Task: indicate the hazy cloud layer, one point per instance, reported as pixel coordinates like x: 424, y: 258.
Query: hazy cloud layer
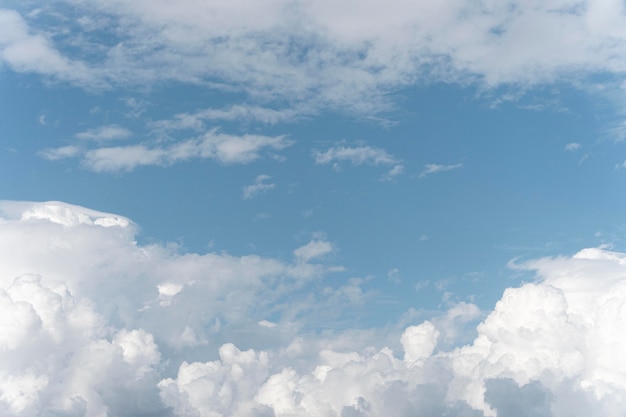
x: 97, y: 325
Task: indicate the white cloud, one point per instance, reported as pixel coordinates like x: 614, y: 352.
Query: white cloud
x: 62, y: 152
x: 435, y: 168
x: 345, y: 55
x: 24, y: 51
x: 241, y: 113
x: 572, y: 147
x: 224, y: 148
x: 313, y: 249
x: 355, y: 155
x: 82, y: 337
x: 259, y: 187
x: 360, y: 155
x: 104, y: 133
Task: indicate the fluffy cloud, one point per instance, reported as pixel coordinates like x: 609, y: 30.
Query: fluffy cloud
x: 24, y: 51
x: 96, y: 325
x: 344, y: 55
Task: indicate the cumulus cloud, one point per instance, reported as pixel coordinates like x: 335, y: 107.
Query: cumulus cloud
x: 259, y: 187
x: 95, y: 324
x: 435, y: 168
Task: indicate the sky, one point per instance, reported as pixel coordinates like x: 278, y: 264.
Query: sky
x: 310, y: 208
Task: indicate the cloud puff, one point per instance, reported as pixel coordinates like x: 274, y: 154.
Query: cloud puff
x: 95, y: 324
x: 259, y: 187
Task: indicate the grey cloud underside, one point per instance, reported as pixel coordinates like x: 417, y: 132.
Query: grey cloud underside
x: 96, y: 325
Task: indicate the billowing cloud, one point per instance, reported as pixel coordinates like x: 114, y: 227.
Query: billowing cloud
x: 259, y: 187
x: 95, y: 324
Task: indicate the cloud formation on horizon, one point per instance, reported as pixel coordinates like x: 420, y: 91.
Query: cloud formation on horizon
x: 97, y: 325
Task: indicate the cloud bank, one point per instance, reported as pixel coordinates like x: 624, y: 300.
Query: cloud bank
x: 341, y: 55
x: 95, y: 324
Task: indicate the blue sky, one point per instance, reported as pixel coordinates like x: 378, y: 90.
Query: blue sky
x: 375, y: 166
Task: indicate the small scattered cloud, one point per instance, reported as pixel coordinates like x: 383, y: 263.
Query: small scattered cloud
x: 62, y: 152
x: 360, y: 155
x: 224, y: 148
x: 436, y: 168
x: 104, y: 133
x: 260, y: 186
x: 572, y: 147
x: 393, y: 275
x: 313, y: 249
x: 239, y: 112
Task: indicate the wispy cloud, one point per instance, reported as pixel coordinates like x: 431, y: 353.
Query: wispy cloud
x: 360, y: 155
x: 224, y: 148
x: 330, y: 61
x: 104, y: 133
x: 313, y: 249
x: 572, y: 147
x: 62, y: 152
x: 260, y: 186
x: 243, y: 113
x: 435, y: 168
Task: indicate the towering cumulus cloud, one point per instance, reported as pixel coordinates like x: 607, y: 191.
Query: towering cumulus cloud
x: 95, y: 324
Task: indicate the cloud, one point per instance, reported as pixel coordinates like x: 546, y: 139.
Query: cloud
x: 435, y: 168
x: 104, y: 133
x: 356, y: 155
x: 360, y: 155
x: 259, y: 187
x: 572, y: 147
x: 97, y: 324
x: 24, y: 51
x: 344, y: 57
x: 313, y: 249
x: 224, y: 148
x: 62, y: 152
x: 241, y: 113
